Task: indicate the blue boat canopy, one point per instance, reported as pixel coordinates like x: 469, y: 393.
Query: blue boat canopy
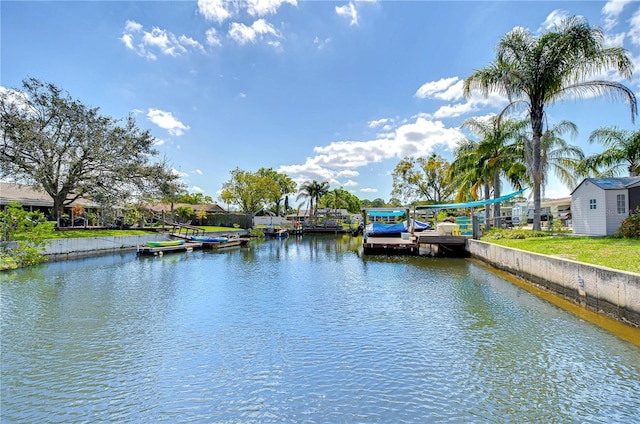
x: 386, y: 213
x: 471, y: 204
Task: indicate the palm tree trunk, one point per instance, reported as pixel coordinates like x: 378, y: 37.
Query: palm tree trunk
x: 536, y: 126
x: 487, y: 210
x: 496, y: 194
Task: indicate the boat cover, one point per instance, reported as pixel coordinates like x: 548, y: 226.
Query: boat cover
x: 401, y: 227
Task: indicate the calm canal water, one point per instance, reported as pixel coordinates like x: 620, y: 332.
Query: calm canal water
x: 300, y: 331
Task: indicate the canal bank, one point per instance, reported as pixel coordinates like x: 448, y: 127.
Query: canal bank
x: 82, y: 247
x: 607, y: 291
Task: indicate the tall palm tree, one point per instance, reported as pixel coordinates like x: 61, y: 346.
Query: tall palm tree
x: 556, y: 154
x: 313, y: 190
x: 537, y: 71
x: 622, y: 150
x: 465, y: 174
x: 496, y: 154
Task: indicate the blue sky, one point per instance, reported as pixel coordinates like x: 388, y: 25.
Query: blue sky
x: 336, y: 91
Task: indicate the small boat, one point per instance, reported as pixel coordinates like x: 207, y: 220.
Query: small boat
x: 165, y: 243
x: 207, y: 239
x: 272, y: 233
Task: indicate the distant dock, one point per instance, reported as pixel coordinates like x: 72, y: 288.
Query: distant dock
x: 161, y: 250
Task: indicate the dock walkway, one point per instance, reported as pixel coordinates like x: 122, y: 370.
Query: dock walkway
x: 159, y: 251
x: 390, y: 246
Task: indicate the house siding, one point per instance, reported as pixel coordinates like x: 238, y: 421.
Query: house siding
x: 614, y: 219
x: 586, y: 220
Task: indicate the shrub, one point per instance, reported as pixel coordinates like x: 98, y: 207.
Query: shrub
x: 630, y: 227
x: 257, y: 232
x: 502, y: 233
x: 29, y: 230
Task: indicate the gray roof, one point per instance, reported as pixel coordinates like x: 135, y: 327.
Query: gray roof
x: 28, y: 196
x: 614, y: 183
x: 618, y: 183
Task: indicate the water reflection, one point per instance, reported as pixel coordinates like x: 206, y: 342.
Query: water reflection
x: 300, y: 330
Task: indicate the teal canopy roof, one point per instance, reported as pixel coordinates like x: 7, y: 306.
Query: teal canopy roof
x: 386, y: 213
x: 471, y: 204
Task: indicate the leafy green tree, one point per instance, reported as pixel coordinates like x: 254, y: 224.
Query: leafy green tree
x: 376, y: 203
x: 70, y: 150
x: 201, y: 215
x: 537, y: 71
x: 184, y: 212
x: 193, y: 198
x: 422, y: 179
x: 170, y: 191
x: 28, y: 230
x: 394, y: 202
x: 340, y: 198
x: 622, y: 151
x: 313, y: 190
x: 284, y: 186
x: 249, y: 190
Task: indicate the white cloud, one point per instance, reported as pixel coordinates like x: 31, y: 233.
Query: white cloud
x: 196, y: 189
x: 216, y: 10
x: 419, y: 137
x: 611, y: 11
x: 350, y: 183
x: 553, y: 19
x: 212, y: 37
x: 17, y: 99
x: 347, y: 173
x: 321, y: 44
x: 179, y: 173
x: 144, y: 43
x: 348, y: 11
x: 441, y: 89
x: 132, y: 26
x: 165, y: 120
x: 473, y: 104
x: 634, y: 29
x: 127, y: 39
x: 198, y: 171
x: 378, y: 122
x: 369, y: 190
x: 266, y: 7
x: 260, y: 29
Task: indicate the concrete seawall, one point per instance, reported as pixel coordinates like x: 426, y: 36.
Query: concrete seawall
x: 604, y: 290
x: 74, y: 248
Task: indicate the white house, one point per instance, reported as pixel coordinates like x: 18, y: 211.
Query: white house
x: 599, y: 205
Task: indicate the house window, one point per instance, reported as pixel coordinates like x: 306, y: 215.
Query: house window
x: 592, y: 204
x: 621, y: 202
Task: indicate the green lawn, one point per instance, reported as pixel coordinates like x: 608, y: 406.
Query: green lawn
x: 622, y: 254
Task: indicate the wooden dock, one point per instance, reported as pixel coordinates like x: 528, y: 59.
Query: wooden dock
x: 434, y: 244
x: 427, y: 243
x: 160, y: 251
x: 390, y: 246
x: 224, y: 244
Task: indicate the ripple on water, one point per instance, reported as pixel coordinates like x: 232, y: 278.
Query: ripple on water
x: 300, y: 331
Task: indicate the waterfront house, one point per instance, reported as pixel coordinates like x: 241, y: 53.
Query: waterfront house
x: 599, y: 205
x: 33, y: 199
